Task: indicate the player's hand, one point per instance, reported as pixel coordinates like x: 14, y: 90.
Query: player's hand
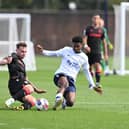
x: 40, y: 48
x: 87, y: 48
x: 39, y: 91
x: 7, y: 60
x: 110, y: 46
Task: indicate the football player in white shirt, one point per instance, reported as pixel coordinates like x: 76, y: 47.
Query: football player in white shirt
x: 65, y: 77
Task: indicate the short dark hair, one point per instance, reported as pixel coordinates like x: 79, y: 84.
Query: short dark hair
x: 21, y: 44
x: 98, y: 13
x: 77, y: 39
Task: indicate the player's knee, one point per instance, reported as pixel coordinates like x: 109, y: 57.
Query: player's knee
x: 99, y: 70
x: 63, y: 82
x: 28, y: 89
x: 69, y: 103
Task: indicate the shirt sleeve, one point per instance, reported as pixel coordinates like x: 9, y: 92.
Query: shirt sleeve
x: 87, y: 73
x: 59, y: 52
x: 86, y: 31
x: 103, y: 34
x: 89, y: 78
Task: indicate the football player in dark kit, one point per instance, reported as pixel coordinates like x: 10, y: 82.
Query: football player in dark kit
x: 19, y: 87
x: 93, y: 35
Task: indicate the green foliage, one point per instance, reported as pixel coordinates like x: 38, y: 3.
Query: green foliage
x: 57, y: 4
x: 16, y: 4
x: 114, y: 2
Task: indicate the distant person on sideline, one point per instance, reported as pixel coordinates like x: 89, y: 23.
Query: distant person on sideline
x: 105, y: 63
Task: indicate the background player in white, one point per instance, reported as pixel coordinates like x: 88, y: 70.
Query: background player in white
x: 72, y: 60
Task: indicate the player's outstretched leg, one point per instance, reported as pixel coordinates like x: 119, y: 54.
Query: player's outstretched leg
x: 10, y: 101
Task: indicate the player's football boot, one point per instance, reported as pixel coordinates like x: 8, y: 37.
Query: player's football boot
x: 18, y: 108
x: 58, y: 101
x: 9, y: 102
x: 98, y: 90
x: 98, y: 85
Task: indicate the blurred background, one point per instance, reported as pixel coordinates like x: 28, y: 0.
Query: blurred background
x: 54, y: 22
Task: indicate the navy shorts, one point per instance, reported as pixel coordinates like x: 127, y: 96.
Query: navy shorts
x: 94, y: 58
x: 71, y: 87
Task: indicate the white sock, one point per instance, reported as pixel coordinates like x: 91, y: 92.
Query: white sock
x: 59, y: 96
x: 10, y: 101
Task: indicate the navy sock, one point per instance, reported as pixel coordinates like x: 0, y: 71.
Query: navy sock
x: 97, y: 76
x: 26, y: 105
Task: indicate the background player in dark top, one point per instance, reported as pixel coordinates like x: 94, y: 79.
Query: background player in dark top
x: 104, y: 63
x: 19, y: 87
x: 93, y: 36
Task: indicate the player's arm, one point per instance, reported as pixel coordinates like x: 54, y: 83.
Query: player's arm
x: 90, y: 79
x: 105, y: 49
x: 110, y: 45
x: 85, y: 38
x: 59, y: 52
x: 107, y: 39
x: 36, y: 89
x: 6, y: 60
x: 46, y: 52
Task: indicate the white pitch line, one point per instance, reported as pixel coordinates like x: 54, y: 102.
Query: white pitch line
x: 27, y: 128
x: 3, y: 124
x: 102, y: 103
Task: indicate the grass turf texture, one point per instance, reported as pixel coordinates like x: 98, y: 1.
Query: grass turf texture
x: 91, y: 111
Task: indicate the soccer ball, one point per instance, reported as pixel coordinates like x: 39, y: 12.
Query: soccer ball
x: 42, y: 104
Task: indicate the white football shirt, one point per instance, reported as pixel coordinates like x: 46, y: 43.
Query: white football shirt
x: 71, y: 63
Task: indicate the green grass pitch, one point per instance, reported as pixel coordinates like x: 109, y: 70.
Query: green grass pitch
x: 91, y: 111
